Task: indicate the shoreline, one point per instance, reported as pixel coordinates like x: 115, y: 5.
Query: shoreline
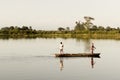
x: 67, y: 35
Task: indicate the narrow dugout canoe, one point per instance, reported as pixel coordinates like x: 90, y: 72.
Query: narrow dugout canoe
x: 78, y: 55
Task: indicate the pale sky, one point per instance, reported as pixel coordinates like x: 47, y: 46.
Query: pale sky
x: 51, y: 14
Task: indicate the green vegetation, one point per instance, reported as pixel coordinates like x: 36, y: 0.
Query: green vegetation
x: 81, y: 30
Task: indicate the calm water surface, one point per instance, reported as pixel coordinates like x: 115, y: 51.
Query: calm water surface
x: 33, y: 59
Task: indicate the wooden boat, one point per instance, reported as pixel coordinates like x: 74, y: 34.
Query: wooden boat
x: 78, y: 55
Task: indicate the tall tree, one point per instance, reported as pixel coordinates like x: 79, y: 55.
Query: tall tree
x: 79, y: 26
x: 88, y: 24
x: 61, y: 29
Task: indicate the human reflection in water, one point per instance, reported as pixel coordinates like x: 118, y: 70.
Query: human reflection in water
x: 61, y: 64
x: 92, y: 62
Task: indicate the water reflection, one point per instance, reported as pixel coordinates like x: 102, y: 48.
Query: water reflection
x: 61, y: 62
x: 87, y: 45
x: 92, y: 62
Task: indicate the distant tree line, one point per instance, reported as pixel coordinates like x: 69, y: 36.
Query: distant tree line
x: 80, y: 27
x: 17, y: 30
x: 88, y: 26
x: 81, y: 30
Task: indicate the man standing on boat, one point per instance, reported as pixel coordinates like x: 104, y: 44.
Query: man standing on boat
x: 92, y: 48
x: 61, y: 47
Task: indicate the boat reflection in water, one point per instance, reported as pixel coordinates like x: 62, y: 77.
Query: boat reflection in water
x: 92, y: 62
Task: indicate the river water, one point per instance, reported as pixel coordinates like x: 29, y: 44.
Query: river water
x: 33, y: 59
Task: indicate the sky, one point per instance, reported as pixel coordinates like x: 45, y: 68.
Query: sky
x: 51, y: 14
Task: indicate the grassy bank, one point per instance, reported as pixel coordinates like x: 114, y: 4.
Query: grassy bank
x: 65, y: 35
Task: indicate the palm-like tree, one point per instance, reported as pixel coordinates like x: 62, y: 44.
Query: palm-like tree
x: 88, y: 22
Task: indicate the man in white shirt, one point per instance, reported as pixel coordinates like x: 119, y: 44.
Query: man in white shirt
x: 61, y: 47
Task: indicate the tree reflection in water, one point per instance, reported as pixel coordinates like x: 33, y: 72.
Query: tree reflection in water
x: 87, y: 43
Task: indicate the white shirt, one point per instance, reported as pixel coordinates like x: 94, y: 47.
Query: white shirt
x: 61, y: 46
